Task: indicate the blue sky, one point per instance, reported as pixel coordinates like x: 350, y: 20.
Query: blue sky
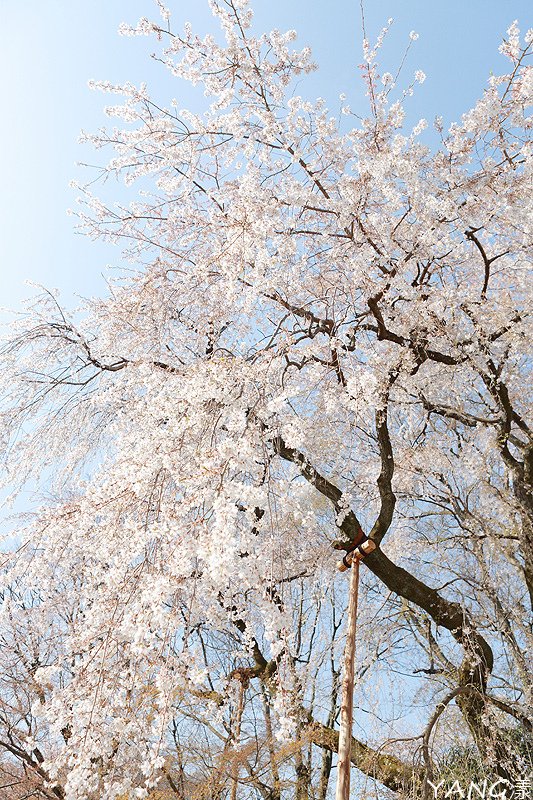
x: 50, y: 48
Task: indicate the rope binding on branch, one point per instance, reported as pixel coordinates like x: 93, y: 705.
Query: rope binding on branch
x: 359, y: 547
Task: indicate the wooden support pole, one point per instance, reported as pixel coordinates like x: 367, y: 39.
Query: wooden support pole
x: 348, y: 676
x: 235, y: 738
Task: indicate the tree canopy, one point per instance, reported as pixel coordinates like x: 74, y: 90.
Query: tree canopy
x: 324, y: 328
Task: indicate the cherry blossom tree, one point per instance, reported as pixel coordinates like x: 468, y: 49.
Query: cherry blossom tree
x: 323, y: 329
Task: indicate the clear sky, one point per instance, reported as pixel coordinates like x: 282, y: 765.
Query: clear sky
x: 50, y: 48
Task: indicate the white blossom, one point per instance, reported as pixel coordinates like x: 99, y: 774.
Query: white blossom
x: 319, y: 327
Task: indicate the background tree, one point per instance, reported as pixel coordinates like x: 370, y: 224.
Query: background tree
x: 324, y: 328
